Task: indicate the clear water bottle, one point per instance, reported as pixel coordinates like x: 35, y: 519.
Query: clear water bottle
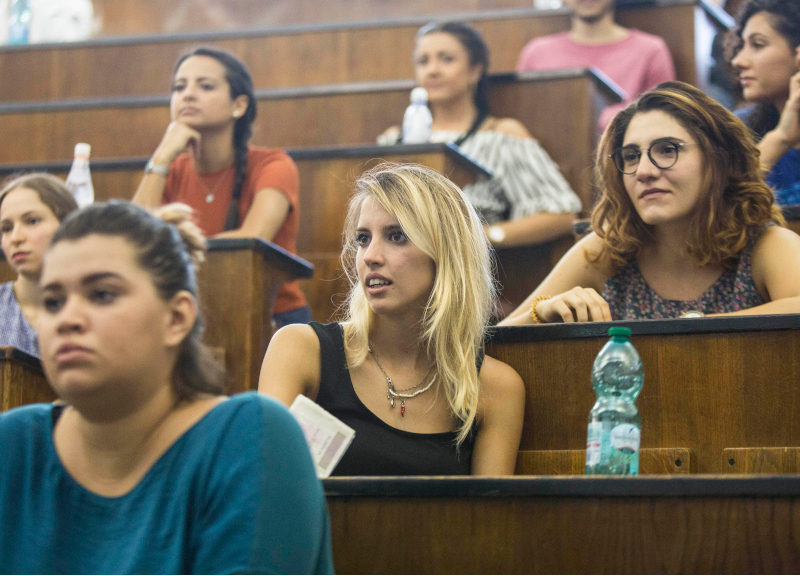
x: 79, y: 179
x: 417, y: 120
x: 615, y: 425
x: 19, y: 21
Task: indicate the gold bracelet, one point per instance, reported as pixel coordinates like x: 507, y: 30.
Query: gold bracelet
x: 533, y: 307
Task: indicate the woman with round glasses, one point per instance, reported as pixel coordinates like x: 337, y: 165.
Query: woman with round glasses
x: 685, y: 225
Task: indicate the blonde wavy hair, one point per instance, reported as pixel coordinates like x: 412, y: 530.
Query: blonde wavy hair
x: 439, y: 220
x: 735, y: 201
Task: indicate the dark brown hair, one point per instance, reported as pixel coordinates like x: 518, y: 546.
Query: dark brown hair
x: 51, y: 190
x: 735, y: 201
x: 169, y: 246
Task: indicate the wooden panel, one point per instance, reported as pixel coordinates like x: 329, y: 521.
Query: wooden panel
x: 325, y: 187
x: 520, y: 270
x: 573, y: 462
x: 705, y: 392
x: 550, y: 534
x: 296, y: 58
x: 761, y: 460
x: 240, y: 325
x: 564, y: 121
x: 126, y: 17
x: 21, y: 380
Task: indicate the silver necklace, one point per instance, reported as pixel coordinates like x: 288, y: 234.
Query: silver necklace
x: 211, y: 193
x: 392, y: 392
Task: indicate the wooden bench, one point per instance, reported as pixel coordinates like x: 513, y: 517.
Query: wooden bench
x: 711, y: 384
x: 559, y: 107
x: 559, y: 525
x: 327, y: 53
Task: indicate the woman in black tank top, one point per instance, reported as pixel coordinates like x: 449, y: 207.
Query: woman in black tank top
x: 406, y: 368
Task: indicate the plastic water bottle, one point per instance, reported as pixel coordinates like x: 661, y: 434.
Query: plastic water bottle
x: 615, y: 425
x: 417, y: 120
x: 79, y: 179
x: 19, y: 21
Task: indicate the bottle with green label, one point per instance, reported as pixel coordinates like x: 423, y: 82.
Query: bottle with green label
x: 612, y: 445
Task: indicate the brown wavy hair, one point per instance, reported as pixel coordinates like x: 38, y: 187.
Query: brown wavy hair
x: 735, y: 203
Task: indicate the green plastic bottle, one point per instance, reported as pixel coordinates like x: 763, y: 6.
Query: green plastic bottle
x: 612, y: 445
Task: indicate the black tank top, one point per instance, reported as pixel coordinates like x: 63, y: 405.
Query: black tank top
x: 379, y: 449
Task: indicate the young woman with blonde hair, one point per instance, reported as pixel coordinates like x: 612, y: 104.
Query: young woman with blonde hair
x: 685, y: 224
x: 406, y: 368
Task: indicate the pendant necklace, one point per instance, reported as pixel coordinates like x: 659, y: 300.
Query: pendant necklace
x: 211, y: 193
x: 403, y: 393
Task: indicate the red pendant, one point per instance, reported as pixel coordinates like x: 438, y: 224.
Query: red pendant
x: 403, y: 408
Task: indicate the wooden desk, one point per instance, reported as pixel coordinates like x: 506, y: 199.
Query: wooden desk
x: 327, y: 176
x: 710, y: 383
x: 327, y: 53
x: 21, y: 380
x: 558, y: 525
x: 238, y: 283
x: 564, y: 119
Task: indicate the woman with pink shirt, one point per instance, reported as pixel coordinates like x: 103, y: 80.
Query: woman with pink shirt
x: 635, y: 61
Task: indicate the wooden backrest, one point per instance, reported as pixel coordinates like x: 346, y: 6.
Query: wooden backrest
x: 325, y: 54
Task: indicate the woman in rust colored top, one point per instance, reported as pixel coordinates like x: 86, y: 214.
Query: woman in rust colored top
x: 204, y: 160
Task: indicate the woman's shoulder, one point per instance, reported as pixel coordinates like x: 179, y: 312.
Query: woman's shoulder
x: 244, y: 417
x: 22, y: 430
x: 775, y: 240
x: 506, y: 126
x: 260, y: 156
x: 501, y: 381
x: 7, y: 294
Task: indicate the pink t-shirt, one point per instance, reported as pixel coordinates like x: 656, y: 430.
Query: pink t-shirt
x: 636, y: 63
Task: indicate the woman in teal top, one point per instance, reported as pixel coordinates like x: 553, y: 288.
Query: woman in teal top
x: 146, y: 468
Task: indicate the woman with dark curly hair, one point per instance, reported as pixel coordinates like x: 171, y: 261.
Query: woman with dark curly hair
x: 766, y: 60
x: 685, y: 224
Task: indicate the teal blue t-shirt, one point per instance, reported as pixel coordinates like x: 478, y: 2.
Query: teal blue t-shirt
x: 237, y: 493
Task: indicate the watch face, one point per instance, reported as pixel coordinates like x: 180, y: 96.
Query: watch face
x: 496, y: 234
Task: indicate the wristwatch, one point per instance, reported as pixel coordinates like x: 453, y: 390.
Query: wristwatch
x: 157, y: 168
x: 496, y: 234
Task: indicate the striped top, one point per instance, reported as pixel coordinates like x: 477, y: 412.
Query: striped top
x: 14, y: 328
x: 525, y: 179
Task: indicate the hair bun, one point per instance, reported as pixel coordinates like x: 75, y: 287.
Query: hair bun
x: 182, y: 217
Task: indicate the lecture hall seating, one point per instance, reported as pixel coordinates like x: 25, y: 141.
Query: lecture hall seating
x: 326, y: 54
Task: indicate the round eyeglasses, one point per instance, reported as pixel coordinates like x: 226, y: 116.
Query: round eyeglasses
x: 663, y: 155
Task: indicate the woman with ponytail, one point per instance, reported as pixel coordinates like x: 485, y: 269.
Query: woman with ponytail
x: 205, y: 161
x: 406, y: 368
x: 144, y: 467
x: 527, y: 201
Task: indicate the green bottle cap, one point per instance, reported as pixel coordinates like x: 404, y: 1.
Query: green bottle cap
x: 620, y: 331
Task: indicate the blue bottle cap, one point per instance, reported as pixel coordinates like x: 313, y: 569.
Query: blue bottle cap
x: 620, y: 331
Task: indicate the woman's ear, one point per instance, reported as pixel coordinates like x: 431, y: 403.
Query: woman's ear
x: 239, y: 106
x: 475, y: 73
x: 181, y: 316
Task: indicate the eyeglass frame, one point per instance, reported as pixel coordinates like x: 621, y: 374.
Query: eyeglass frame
x: 677, y: 145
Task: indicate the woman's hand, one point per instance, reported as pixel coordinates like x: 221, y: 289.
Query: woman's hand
x: 576, y: 305
x: 788, y: 127
x: 177, y: 139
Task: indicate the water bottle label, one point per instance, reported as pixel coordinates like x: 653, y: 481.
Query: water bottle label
x: 594, y: 441
x: 625, y: 437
